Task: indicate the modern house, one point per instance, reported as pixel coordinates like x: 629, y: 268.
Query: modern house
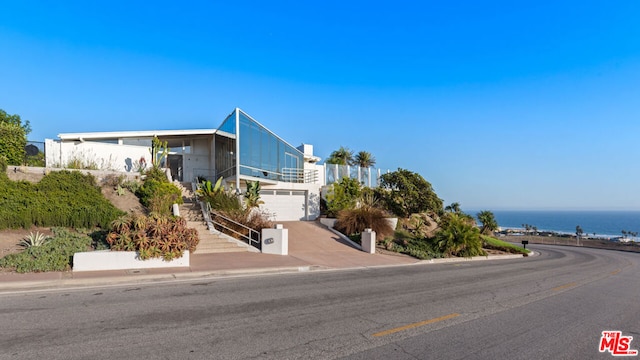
x: 239, y: 150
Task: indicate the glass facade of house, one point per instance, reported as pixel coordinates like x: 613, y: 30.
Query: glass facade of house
x: 262, y: 154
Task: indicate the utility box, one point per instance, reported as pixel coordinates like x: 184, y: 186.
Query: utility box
x: 275, y: 241
x: 368, y: 241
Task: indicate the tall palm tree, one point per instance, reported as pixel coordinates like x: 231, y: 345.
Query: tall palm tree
x: 342, y: 156
x: 364, y: 159
x: 488, y: 220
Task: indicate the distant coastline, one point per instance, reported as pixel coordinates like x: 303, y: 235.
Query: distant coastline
x: 596, y: 224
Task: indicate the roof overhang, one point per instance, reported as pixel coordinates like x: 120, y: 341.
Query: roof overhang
x: 134, y: 134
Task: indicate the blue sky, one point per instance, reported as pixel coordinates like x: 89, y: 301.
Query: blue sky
x: 499, y: 104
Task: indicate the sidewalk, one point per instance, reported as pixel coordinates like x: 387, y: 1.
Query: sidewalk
x: 310, y: 248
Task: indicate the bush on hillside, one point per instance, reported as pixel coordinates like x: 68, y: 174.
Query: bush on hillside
x: 343, y: 195
x: 458, y: 237
x: 12, y: 142
x: 159, y: 194
x: 407, y: 193
x: 3, y: 165
x: 61, y: 198
x: 55, y: 255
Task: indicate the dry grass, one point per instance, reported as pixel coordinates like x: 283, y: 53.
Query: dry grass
x: 355, y: 221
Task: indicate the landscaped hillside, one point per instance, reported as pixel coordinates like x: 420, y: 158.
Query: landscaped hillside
x: 61, y: 198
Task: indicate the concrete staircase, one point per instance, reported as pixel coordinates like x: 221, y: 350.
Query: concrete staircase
x: 209, y: 242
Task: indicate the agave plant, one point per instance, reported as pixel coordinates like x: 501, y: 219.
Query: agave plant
x: 36, y: 239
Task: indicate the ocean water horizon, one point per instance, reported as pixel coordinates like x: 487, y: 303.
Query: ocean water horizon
x: 601, y: 223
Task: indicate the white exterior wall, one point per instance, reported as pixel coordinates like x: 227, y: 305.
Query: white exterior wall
x: 106, y: 156
x: 198, y: 159
x: 320, y: 171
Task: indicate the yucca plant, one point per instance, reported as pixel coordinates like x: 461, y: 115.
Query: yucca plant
x: 207, y: 189
x: 252, y: 195
x: 33, y: 240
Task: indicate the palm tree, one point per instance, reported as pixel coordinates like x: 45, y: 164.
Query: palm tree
x: 488, y: 220
x: 458, y: 238
x: 364, y: 159
x: 454, y: 207
x: 342, y: 156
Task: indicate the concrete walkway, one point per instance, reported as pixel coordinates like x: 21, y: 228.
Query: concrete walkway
x: 311, y: 247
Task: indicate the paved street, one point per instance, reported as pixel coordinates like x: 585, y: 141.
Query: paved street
x: 550, y: 306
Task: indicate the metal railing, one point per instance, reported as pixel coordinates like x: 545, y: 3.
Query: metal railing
x: 233, y: 228
x: 292, y: 175
x: 296, y: 175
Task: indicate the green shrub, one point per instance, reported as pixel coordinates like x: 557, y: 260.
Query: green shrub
x: 165, y: 237
x: 3, y: 164
x: 163, y: 192
x: 13, y: 139
x: 225, y: 201
x: 35, y: 160
x: 457, y: 237
x: 61, y: 198
x: 132, y: 185
x: 55, y: 255
x: 157, y: 174
x: 343, y: 195
x: 407, y: 193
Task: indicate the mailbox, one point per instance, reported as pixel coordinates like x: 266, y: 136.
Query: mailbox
x: 524, y: 243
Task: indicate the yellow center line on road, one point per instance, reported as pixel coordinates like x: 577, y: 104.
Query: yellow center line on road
x: 414, y: 325
x: 615, y: 272
x: 564, y: 286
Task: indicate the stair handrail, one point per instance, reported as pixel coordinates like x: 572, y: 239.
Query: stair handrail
x: 252, y: 239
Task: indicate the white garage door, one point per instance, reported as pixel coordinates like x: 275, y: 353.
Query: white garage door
x: 284, y: 205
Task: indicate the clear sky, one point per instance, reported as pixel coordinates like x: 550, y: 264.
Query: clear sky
x: 499, y: 104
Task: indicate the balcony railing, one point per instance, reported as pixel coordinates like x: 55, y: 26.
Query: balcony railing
x: 369, y: 177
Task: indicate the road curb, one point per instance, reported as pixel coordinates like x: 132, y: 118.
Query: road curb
x: 136, y: 278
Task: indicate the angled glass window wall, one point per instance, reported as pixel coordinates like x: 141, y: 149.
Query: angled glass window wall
x: 262, y: 154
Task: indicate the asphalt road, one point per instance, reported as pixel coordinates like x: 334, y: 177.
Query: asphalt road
x: 552, y: 306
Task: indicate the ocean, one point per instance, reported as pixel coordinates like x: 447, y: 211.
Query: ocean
x: 602, y: 223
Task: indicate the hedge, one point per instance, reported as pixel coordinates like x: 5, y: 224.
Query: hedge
x: 62, y: 198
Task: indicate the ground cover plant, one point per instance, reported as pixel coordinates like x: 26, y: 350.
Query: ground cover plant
x: 61, y: 198
x: 409, y: 243
x: 56, y: 254
x: 497, y: 244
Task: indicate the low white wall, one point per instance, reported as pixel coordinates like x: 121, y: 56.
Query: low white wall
x: 275, y: 241
x: 122, y: 260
